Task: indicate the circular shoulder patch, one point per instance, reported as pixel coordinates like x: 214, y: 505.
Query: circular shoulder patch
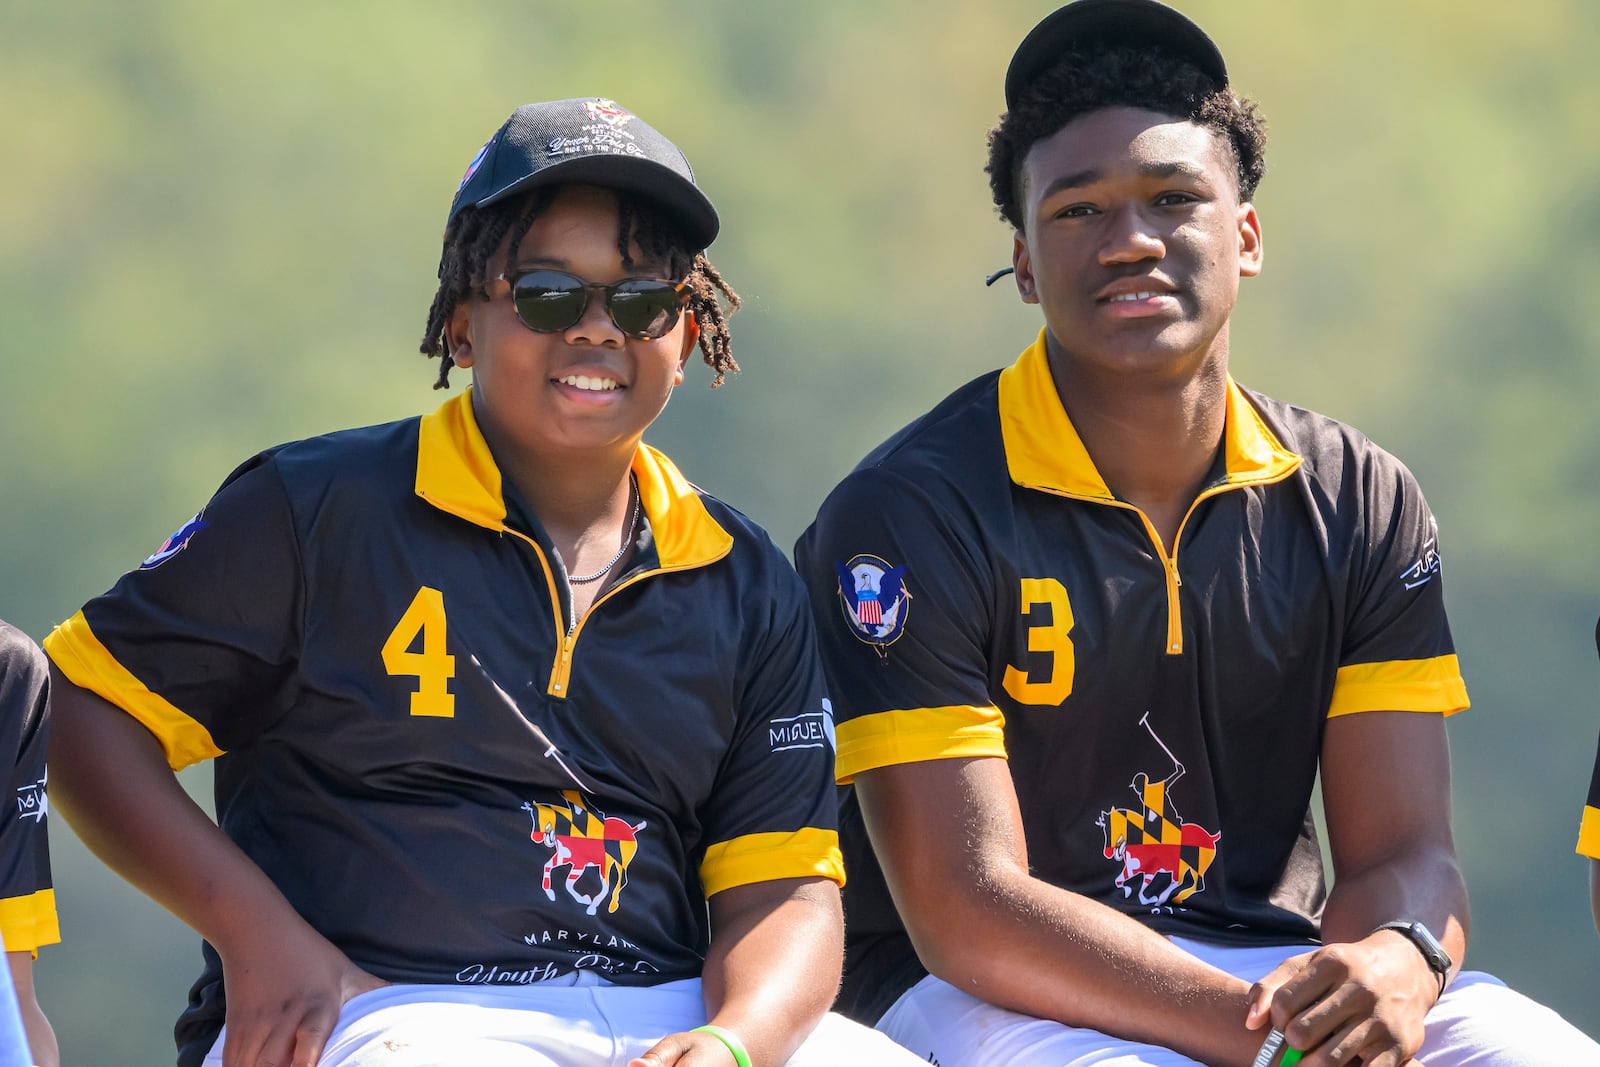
x: 174, y: 544
x: 874, y: 598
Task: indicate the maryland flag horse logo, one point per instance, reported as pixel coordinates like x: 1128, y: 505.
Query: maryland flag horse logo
x: 582, y: 839
x: 1155, y: 841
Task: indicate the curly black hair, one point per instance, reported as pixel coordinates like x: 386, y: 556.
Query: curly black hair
x: 475, y: 234
x: 1149, y: 77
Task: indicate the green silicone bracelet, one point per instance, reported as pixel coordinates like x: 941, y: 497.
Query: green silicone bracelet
x: 728, y: 1038
x: 1274, y: 1044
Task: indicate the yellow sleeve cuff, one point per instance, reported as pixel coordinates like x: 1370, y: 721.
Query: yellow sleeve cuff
x: 89, y: 665
x: 30, y: 921
x: 891, y: 737
x: 1431, y: 685
x: 1589, y: 834
x: 804, y: 853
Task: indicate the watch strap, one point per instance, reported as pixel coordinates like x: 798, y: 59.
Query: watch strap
x: 1433, y: 954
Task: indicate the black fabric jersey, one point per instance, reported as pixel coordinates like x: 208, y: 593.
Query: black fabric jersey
x: 27, y: 898
x: 1589, y: 828
x: 447, y: 776
x: 981, y: 592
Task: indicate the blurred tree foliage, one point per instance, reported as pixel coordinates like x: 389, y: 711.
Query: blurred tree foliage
x: 220, y: 226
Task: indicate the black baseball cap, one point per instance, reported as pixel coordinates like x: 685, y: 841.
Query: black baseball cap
x: 593, y: 141
x: 1087, y: 23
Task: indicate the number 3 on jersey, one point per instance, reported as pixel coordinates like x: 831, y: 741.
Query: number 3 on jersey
x: 433, y: 666
x: 1049, y: 637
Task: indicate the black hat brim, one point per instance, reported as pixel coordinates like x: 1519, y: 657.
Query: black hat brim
x: 681, y: 200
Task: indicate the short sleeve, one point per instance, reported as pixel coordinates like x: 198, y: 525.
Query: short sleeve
x: 1398, y: 654
x: 773, y: 811
x: 27, y: 897
x: 1589, y: 828
x: 902, y: 600
x: 199, y: 642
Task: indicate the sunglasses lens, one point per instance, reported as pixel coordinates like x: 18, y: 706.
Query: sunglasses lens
x: 646, y: 309
x: 549, y: 301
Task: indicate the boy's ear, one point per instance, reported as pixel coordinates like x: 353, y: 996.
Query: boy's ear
x: 1022, y: 268
x: 1250, y: 250
x: 458, y: 334
x: 691, y: 337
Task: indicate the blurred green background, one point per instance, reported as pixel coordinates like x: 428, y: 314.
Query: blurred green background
x: 219, y: 227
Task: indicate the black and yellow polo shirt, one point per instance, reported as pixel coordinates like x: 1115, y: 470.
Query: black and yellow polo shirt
x: 1589, y: 828
x: 446, y: 775
x: 27, y: 897
x: 980, y: 592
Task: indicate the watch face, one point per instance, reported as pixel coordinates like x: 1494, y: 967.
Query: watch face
x: 1438, y: 959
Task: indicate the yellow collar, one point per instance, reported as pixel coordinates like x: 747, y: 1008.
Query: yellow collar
x: 1044, y: 451
x: 456, y: 473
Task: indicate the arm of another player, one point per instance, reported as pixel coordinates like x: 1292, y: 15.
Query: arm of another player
x: 1594, y: 801
x: 41, y: 1038
x: 1594, y: 892
x: 949, y: 836
x: 285, y: 982
x: 772, y: 970
x: 1386, y: 794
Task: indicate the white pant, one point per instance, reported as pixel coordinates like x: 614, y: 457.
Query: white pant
x: 593, y: 1024
x: 1478, y: 1022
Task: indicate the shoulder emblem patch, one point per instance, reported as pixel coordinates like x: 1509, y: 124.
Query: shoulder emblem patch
x: 874, y: 598
x: 174, y: 544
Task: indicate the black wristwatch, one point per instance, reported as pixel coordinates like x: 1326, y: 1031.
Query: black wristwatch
x: 1433, y: 953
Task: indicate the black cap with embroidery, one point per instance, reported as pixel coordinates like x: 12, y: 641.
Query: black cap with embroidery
x: 593, y: 141
x: 1087, y: 23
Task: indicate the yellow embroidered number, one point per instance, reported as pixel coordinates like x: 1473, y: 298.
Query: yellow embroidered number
x: 1049, y: 637
x: 433, y: 666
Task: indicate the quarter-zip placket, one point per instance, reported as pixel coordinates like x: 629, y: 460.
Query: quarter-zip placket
x: 1169, y: 563
x: 567, y: 633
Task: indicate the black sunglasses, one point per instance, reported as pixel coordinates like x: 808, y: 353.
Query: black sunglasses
x: 549, y: 301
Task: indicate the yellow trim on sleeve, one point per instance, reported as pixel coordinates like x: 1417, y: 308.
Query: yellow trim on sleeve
x: 29, y: 921
x: 1432, y: 685
x: 891, y: 737
x: 808, y: 852
x: 1589, y: 833
x: 88, y: 665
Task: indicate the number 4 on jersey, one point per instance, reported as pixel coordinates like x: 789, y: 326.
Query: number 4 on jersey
x: 433, y: 666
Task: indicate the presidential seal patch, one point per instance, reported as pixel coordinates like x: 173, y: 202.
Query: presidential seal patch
x: 174, y: 544
x: 875, y: 600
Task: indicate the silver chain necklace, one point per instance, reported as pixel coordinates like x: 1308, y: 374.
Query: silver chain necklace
x: 627, y: 539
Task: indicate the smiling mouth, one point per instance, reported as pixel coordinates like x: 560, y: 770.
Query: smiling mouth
x: 1123, y: 298
x: 590, y: 385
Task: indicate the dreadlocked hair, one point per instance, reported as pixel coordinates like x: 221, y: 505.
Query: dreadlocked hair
x: 473, y: 236
x: 1152, y: 78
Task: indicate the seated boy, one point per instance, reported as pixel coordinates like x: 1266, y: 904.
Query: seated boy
x: 522, y: 753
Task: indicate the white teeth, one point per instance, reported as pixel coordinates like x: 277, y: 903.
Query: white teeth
x: 593, y: 385
x: 1133, y: 296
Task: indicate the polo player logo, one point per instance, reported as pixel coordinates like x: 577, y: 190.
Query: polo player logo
x: 1155, y: 841
x: 582, y: 839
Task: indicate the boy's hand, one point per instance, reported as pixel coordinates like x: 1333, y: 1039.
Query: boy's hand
x: 1364, y: 999
x: 284, y: 997
x: 692, y: 1049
